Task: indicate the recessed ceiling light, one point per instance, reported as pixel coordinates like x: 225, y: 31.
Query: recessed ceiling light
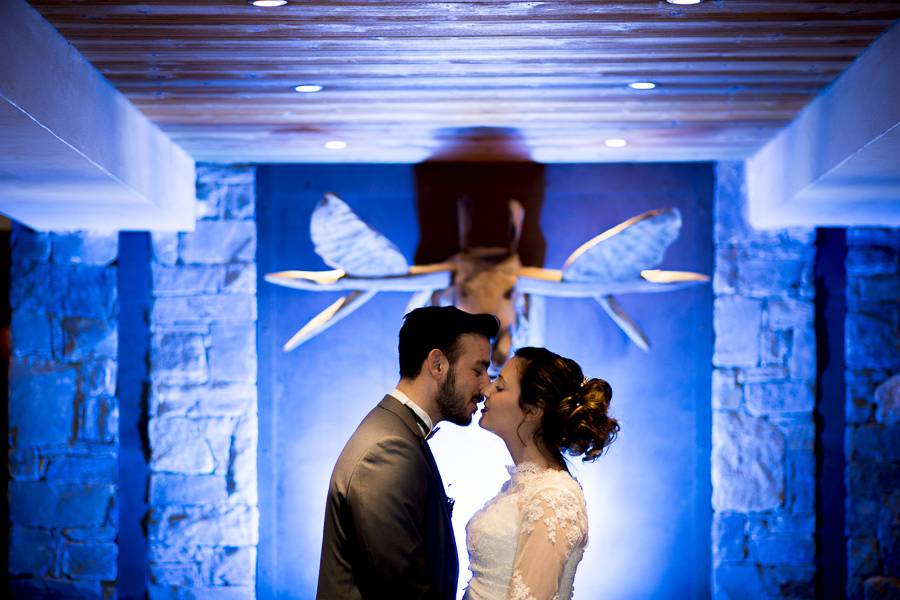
x: 267, y: 3
x: 615, y: 143
x: 335, y: 144
x: 308, y: 88
x: 684, y: 2
x: 642, y: 85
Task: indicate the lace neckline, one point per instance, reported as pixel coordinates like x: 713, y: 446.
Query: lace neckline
x: 529, y: 468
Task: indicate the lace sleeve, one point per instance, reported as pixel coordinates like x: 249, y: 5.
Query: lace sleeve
x: 553, y: 523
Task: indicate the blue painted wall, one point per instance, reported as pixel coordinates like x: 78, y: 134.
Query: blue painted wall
x: 648, y: 498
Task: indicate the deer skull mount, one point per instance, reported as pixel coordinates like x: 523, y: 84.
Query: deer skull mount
x: 619, y: 260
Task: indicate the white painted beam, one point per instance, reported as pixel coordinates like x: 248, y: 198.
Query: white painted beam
x: 74, y: 152
x: 838, y: 162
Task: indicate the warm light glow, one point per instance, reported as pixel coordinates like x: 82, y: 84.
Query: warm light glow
x: 684, y: 2
x: 268, y: 3
x: 615, y: 143
x: 308, y: 88
x: 335, y: 145
x: 642, y: 85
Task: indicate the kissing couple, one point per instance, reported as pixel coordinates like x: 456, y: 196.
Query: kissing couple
x: 387, y: 519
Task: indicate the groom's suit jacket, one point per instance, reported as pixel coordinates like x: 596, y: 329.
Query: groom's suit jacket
x: 387, y: 520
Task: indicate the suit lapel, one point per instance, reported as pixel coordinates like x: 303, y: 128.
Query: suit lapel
x: 412, y: 422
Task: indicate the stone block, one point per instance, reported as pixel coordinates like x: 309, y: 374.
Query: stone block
x: 54, y: 589
x: 784, y: 313
x: 98, y: 377
x: 766, y: 374
x: 725, y: 273
x: 799, y: 432
x: 795, y: 581
x: 862, y: 557
x: 737, y: 582
x: 887, y: 400
x: 187, y: 280
x: 873, y: 290
x: 765, y: 276
x: 860, y: 397
x: 179, y: 575
x: 218, y: 400
x: 863, y: 442
x: 726, y: 393
x: 801, y: 482
x: 33, y: 334
x: 781, y: 523
x: 41, y: 403
x: 226, y: 191
x: 83, y: 338
x: 218, y: 433
x: 242, y: 468
x: 870, y: 260
x: 90, y: 561
x: 24, y: 464
x: 106, y: 533
x: 240, y: 278
x: 99, y: 419
x: 178, y: 446
x: 778, y: 398
x: 223, y: 525
x: 85, y: 247
x: 890, y: 442
x: 747, y: 463
x: 82, y: 468
x: 177, y: 357
x: 873, y: 236
x: 31, y: 551
x: 872, y: 342
x: 881, y: 588
x: 233, y: 566
x: 803, y: 358
x: 232, y: 355
x: 862, y: 515
x: 775, y: 346
x: 889, y: 531
x: 60, y: 503
x: 165, y: 247
x: 729, y: 537
x: 225, y: 592
x: 202, y: 309
x: 783, y: 549
x: 74, y: 290
x: 219, y: 242
x: 167, y: 488
x: 736, y: 321
x: 29, y: 245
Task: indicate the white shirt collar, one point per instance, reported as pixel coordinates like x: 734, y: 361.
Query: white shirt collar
x: 405, y: 400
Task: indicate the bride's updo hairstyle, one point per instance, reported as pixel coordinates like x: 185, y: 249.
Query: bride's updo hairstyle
x: 575, y: 419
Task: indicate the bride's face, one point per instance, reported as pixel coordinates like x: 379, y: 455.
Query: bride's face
x: 501, y: 413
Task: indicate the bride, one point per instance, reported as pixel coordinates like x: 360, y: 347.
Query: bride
x: 526, y: 542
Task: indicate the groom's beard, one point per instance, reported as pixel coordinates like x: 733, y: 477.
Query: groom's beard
x: 454, y: 406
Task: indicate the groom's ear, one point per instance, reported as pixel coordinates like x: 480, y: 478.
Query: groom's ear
x: 437, y: 364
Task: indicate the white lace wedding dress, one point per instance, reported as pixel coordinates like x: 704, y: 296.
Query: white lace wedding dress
x: 526, y: 542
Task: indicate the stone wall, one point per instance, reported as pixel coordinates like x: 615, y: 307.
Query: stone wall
x: 872, y: 436
x: 63, y: 415
x: 203, y: 527
x: 763, y: 446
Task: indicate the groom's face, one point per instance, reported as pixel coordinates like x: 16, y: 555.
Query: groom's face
x: 467, y: 377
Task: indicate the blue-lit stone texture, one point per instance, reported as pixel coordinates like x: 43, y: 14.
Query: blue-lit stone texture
x: 204, y: 522
x: 872, y: 434
x: 63, y: 414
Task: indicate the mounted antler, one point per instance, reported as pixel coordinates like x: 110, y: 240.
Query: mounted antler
x: 619, y: 260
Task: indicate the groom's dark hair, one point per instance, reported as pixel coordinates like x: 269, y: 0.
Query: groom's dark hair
x: 430, y: 327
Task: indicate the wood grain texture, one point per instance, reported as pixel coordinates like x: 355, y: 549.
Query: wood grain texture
x: 405, y: 80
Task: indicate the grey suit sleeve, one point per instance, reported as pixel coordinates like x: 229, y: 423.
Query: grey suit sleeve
x: 387, y: 495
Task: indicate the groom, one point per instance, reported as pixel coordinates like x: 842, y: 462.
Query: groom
x: 387, y: 518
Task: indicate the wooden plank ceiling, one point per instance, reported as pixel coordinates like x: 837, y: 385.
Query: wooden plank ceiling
x: 409, y: 80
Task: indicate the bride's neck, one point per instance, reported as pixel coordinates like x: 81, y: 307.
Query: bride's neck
x: 530, y: 453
